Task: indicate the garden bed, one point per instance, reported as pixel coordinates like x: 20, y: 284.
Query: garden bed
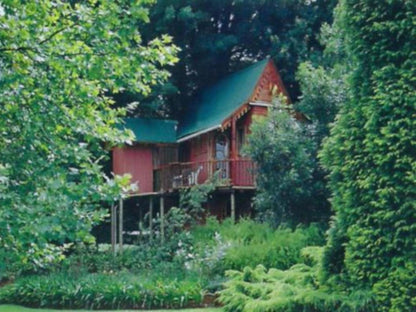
x: 15, y: 308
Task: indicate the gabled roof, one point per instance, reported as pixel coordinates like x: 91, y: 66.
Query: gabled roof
x: 152, y: 130
x: 210, y: 108
x: 217, y: 102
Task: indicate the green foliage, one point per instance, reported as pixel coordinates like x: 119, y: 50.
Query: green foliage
x: 371, y: 155
x: 179, y: 220
x: 191, y: 200
x: 59, y: 61
x: 249, y: 243
x: 217, y: 37
x: 280, y: 250
x: 15, y: 308
x: 101, y: 291
x: 323, y: 93
x: 323, y: 85
x: 156, y: 275
x: 296, y: 289
x: 284, y: 151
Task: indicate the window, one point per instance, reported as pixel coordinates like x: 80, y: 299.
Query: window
x: 221, y: 156
x: 221, y: 147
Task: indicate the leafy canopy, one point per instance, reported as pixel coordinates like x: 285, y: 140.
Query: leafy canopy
x: 59, y: 62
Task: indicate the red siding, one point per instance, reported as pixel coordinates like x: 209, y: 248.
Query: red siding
x: 137, y: 161
x: 201, y: 151
x: 200, y: 148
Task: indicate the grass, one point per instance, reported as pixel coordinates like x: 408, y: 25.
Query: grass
x: 14, y: 308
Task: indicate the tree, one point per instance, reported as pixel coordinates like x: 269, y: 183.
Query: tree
x: 217, y: 37
x: 284, y: 151
x: 371, y: 156
x: 59, y: 61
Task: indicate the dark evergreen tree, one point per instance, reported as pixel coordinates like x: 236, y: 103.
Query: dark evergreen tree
x: 371, y: 155
x: 220, y: 36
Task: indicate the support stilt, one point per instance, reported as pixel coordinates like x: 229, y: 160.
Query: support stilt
x: 113, y: 228
x: 233, y: 206
x: 141, y: 229
x: 151, y: 218
x: 120, y: 227
x: 162, y: 219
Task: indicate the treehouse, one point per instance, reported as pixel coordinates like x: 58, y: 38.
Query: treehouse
x: 171, y: 154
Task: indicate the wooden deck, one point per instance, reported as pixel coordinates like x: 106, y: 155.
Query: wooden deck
x: 235, y: 173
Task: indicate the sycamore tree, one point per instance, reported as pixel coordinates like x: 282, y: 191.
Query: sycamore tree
x: 59, y: 63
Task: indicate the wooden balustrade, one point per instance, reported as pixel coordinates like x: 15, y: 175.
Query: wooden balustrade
x: 176, y: 175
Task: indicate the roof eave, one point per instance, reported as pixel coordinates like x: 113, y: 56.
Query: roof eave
x: 195, y: 134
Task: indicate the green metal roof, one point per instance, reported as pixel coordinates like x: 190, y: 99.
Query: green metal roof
x: 217, y: 102
x: 209, y: 108
x: 152, y: 130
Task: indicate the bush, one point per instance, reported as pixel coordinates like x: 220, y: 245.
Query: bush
x: 280, y: 250
x: 371, y: 155
x: 289, y: 179
x: 102, y: 291
x: 249, y: 243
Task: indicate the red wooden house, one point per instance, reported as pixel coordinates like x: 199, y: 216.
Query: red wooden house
x: 170, y: 154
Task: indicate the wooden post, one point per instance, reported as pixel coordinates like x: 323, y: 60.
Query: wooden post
x: 234, y: 152
x: 234, y: 138
x: 233, y: 206
x: 162, y: 218
x: 120, y: 227
x: 151, y: 218
x: 113, y: 228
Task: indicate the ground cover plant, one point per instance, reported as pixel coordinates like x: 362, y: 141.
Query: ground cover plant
x: 296, y: 289
x: 102, y: 291
x: 14, y: 308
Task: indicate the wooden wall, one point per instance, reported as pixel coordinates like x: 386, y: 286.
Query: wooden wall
x: 137, y: 161
x: 201, y: 148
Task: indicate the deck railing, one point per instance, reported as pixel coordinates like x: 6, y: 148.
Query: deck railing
x: 176, y: 175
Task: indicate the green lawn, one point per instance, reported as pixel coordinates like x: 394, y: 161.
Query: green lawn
x: 13, y: 308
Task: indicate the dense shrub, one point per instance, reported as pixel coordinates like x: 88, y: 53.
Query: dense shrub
x: 101, y: 291
x: 371, y: 155
x: 136, y: 259
x: 285, y: 154
x: 281, y: 250
x: 250, y: 243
